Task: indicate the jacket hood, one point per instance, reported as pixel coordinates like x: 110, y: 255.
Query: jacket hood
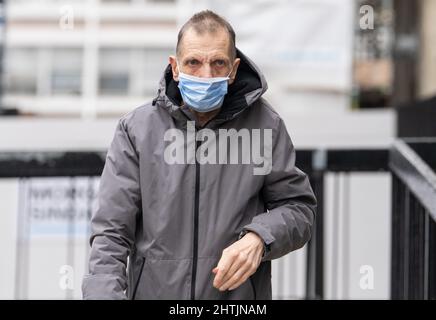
x: 249, y: 86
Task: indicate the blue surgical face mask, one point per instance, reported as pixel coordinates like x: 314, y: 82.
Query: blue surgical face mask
x: 203, y: 94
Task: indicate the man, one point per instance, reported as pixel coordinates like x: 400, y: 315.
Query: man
x: 190, y: 228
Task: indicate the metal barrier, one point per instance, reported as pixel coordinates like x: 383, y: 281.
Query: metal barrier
x: 413, y: 202
x: 317, y: 163
x: 413, y: 272
x: 51, y: 164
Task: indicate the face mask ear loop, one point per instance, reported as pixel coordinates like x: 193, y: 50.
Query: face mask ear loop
x: 231, y: 70
x: 178, y: 65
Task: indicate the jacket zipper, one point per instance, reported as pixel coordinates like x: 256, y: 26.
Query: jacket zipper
x: 139, y: 278
x: 196, y: 213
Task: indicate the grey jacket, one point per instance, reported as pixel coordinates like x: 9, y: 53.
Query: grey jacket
x: 159, y: 229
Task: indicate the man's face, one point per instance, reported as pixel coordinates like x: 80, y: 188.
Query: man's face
x: 205, y: 56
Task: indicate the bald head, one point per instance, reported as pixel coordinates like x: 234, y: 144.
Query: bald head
x: 207, y: 22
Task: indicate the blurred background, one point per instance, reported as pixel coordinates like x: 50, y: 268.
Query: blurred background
x: 354, y: 80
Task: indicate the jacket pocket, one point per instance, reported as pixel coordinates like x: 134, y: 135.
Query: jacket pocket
x: 139, y: 278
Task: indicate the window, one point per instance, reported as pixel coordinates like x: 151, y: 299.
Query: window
x: 66, y: 71
x: 155, y: 61
x: 114, y: 71
x: 20, y: 71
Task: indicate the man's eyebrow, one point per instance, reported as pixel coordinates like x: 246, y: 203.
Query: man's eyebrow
x: 199, y: 58
x: 226, y: 59
x: 221, y: 58
x: 192, y: 57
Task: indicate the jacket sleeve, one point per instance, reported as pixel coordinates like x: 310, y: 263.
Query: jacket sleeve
x: 290, y: 202
x: 113, y: 222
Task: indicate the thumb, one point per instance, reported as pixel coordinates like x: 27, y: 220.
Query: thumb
x: 215, y: 270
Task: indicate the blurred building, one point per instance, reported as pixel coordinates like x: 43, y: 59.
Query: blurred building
x: 94, y: 57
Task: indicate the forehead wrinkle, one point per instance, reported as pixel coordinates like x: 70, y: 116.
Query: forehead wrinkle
x: 205, y: 44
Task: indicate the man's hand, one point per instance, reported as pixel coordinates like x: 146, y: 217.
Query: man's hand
x: 238, y: 262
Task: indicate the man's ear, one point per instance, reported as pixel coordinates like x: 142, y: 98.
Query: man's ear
x: 232, y: 75
x: 172, y: 60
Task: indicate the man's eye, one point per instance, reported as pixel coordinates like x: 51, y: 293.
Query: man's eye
x: 193, y: 62
x: 220, y: 63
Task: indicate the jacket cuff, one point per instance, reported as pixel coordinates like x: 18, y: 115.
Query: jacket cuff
x: 102, y: 287
x: 263, y: 233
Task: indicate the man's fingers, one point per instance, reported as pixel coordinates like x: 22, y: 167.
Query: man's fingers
x: 247, y: 269
x: 237, y: 284
x: 244, y: 277
x: 223, y: 266
x: 221, y: 272
x: 233, y: 260
x: 238, y: 262
x: 238, y: 276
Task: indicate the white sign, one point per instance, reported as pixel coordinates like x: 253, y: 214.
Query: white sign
x: 307, y: 43
x: 59, y: 206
